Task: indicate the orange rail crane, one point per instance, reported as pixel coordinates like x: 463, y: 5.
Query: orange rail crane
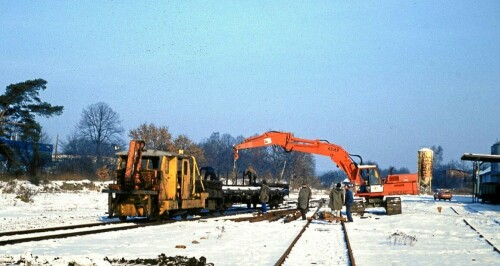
x: 376, y: 191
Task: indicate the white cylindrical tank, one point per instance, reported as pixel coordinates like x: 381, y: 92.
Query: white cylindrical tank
x: 424, y: 168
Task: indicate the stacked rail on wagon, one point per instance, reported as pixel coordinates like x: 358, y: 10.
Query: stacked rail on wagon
x: 248, y: 191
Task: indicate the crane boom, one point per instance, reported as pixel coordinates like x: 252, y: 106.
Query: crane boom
x: 289, y: 143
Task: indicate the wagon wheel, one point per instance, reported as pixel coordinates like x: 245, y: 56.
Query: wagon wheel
x: 165, y: 215
x: 220, y: 206
x: 155, y: 211
x: 196, y: 211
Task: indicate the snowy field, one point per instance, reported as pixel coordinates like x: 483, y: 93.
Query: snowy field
x: 419, y: 236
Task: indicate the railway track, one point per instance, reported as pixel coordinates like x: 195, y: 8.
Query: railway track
x: 476, y: 211
x: 16, y: 237
x: 70, y: 231
x: 287, y: 214
x: 350, y: 257
x: 467, y: 222
x: 48, y: 229
x: 39, y: 234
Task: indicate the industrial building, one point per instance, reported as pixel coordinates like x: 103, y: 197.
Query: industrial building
x: 486, y: 183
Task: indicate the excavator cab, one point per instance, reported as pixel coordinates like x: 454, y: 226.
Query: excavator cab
x: 371, y: 179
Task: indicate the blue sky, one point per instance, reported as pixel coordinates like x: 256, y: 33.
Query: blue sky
x: 381, y: 79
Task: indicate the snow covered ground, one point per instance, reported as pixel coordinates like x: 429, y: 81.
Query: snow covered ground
x: 421, y: 235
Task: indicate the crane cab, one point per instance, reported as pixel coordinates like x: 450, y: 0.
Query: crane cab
x: 371, y: 182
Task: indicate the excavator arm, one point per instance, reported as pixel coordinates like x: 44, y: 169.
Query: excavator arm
x: 290, y: 143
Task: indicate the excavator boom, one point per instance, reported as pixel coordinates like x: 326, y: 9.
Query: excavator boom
x: 289, y: 143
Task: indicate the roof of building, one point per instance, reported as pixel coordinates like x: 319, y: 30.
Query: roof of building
x: 481, y: 157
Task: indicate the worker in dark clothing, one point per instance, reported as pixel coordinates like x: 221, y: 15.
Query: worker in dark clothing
x: 349, y: 200
x: 264, y: 196
x: 303, y: 201
x: 336, y: 200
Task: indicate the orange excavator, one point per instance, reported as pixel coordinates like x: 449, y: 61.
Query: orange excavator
x: 376, y: 191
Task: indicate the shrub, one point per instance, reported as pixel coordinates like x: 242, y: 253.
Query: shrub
x: 78, y: 186
x: 35, y: 180
x: 10, y: 187
x: 400, y: 238
x: 26, y: 194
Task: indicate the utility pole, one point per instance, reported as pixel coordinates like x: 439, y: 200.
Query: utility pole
x: 55, y: 151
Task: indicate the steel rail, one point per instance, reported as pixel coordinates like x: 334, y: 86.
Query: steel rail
x: 79, y: 233
x: 282, y: 259
x: 348, y: 243
x: 290, y: 247
x: 479, y: 233
x: 57, y: 228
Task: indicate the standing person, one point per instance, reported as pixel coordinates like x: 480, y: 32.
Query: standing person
x: 304, y: 196
x: 264, y: 196
x: 336, y: 200
x: 349, y: 200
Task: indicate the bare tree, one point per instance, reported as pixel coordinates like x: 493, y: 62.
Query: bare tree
x: 157, y: 138
x: 332, y: 177
x: 438, y: 155
x: 78, y: 159
x: 182, y: 142
x: 101, y: 125
x: 301, y: 169
x: 218, y: 151
x: 266, y: 162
